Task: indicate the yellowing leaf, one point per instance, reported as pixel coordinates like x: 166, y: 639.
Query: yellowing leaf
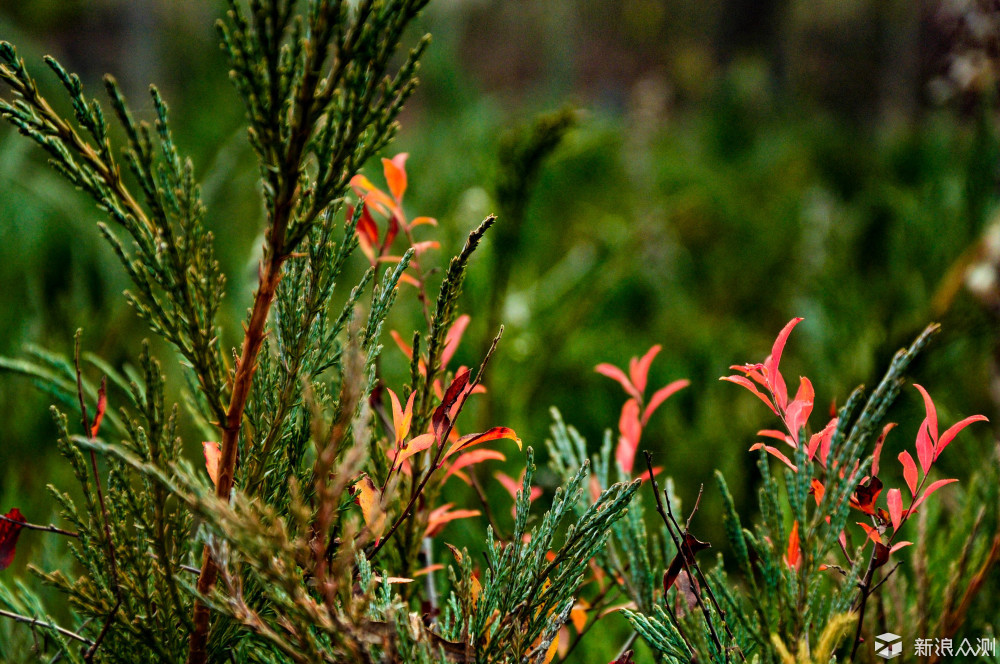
x: 212, y: 454
x: 369, y: 498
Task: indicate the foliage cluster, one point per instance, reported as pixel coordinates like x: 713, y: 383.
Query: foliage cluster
x: 315, y: 531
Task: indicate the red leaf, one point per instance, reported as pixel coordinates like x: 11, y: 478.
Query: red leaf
x: 794, y: 555
x: 928, y: 491
x: 866, y: 495
x: 395, y: 174
x: 909, y: 471
x: 775, y: 452
x: 614, y: 373
x: 932, y: 422
x: 639, y: 369
x: 745, y: 382
x: 453, y: 338
x: 662, y: 395
x: 877, y: 454
x: 771, y: 364
x: 925, y: 447
x: 953, y: 430
x: 102, y: 405
x: 441, y: 418
x: 9, y: 532
x: 798, y: 412
x: 894, y: 499
x: 899, y: 545
x: 631, y: 431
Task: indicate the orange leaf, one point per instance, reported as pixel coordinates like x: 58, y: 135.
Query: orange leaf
x: 212, y: 455
x: 395, y: 175
x: 367, y: 496
x: 794, y: 555
x: 401, y: 417
x: 496, y: 433
x: 412, y: 446
x: 373, y: 195
x: 430, y: 221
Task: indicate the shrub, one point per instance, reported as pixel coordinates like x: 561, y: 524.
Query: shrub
x: 314, y: 531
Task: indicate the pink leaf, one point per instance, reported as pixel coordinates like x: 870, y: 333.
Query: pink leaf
x: 639, y: 371
x: 909, y: 471
x: 662, y: 395
x: 932, y: 423
x: 928, y: 491
x: 775, y: 452
x: 798, y: 412
x: 899, y: 545
x: 631, y: 430
x: 953, y: 430
x: 454, y: 338
x: 745, y: 382
x: 876, y: 455
x: 614, y: 373
x: 925, y: 447
x: 894, y: 499
x: 771, y: 363
x: 473, y: 457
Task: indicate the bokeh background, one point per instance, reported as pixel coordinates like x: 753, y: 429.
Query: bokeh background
x: 732, y: 164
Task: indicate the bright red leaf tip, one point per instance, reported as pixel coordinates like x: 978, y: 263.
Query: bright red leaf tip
x: 9, y: 532
x: 894, y: 500
x: 794, y: 555
x: 102, y: 405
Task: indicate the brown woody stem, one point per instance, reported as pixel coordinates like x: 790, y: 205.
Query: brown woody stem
x: 270, y: 276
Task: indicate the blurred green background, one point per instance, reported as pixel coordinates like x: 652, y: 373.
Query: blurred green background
x: 732, y: 164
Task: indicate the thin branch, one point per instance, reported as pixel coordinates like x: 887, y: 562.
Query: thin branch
x: 35, y: 526
x: 442, y: 445
x: 34, y: 622
x: 92, y: 433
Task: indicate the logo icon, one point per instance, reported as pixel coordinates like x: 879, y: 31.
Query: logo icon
x: 888, y: 645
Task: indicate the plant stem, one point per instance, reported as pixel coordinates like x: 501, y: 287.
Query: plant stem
x: 270, y: 276
x: 38, y: 623
x: 35, y: 526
